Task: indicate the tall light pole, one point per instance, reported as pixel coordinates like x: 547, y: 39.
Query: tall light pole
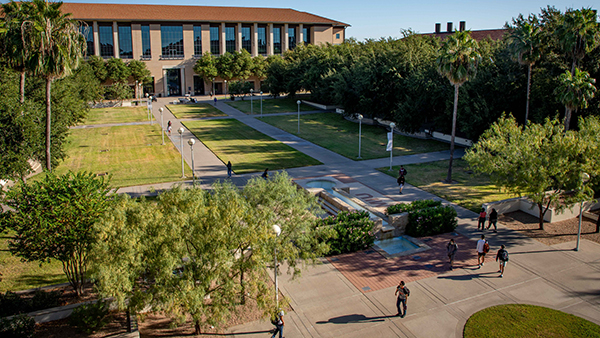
x: 584, y: 179
x: 391, y: 142
x: 298, y: 102
x: 225, y: 89
x: 360, y: 117
x: 162, y: 129
x: 180, y: 131
x: 191, y: 143
x: 261, y: 103
x: 251, y: 94
x: 149, y: 105
x: 277, y: 231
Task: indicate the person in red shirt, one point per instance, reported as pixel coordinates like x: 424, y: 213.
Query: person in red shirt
x: 482, y: 217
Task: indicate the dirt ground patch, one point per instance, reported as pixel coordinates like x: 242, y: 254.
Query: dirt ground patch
x: 553, y: 233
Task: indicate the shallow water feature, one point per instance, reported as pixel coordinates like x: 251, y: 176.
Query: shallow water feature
x: 396, y: 245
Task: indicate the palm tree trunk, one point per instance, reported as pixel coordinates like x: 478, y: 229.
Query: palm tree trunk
x: 528, y: 92
x: 567, y: 118
x: 22, y: 86
x: 48, y: 122
x: 449, y: 178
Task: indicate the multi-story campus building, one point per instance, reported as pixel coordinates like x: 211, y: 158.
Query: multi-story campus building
x: 169, y: 39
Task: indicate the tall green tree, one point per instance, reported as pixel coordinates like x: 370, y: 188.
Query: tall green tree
x: 526, y: 43
x: 53, y: 219
x: 201, y: 253
x: 139, y: 73
x: 578, y: 34
x: 98, y: 66
x: 56, y: 46
x: 575, y: 91
x: 539, y: 161
x: 457, y: 61
x: 206, y: 68
x: 117, y: 70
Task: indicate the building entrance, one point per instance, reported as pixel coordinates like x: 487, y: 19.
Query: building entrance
x: 198, y: 85
x: 173, y: 78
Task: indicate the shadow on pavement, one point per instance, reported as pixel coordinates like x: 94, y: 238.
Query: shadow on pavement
x: 354, y: 319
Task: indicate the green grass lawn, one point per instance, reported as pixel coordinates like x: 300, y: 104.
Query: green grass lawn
x: 270, y: 106
x: 116, y: 115
x: 469, y: 191
x: 192, y: 111
x: 332, y: 131
x: 17, y: 275
x: 520, y: 320
x: 246, y: 148
x: 132, y: 154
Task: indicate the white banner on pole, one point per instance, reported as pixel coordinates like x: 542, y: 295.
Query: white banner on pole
x: 150, y: 106
x: 390, y: 136
x: 389, y: 146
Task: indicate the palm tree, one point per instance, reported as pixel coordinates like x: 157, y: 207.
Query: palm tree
x: 457, y: 60
x: 13, y: 44
x: 56, y: 46
x: 578, y: 34
x: 575, y: 91
x: 525, y: 43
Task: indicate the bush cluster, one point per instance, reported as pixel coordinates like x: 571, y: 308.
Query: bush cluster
x: 20, y: 326
x: 353, y: 231
x: 431, y: 221
x: 89, y: 317
x: 415, y: 205
x: 12, y: 303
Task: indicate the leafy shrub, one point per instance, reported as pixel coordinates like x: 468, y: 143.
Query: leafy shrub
x: 415, y: 205
x: 90, y: 317
x: 431, y: 221
x: 353, y: 231
x: 12, y: 303
x: 19, y: 326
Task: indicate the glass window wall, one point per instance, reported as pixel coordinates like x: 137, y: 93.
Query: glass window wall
x: 262, y: 40
x: 292, y: 38
x: 276, y: 40
x: 172, y: 41
x: 197, y: 40
x: 88, y: 33
x: 230, y: 39
x: 214, y: 41
x: 246, y: 39
x: 105, y: 37
x: 146, y: 50
x: 125, y: 46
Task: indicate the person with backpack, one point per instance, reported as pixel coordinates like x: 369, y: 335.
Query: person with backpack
x: 279, y: 323
x: 502, y: 257
x: 401, y: 180
x: 483, y: 247
x: 493, y: 220
x: 451, y: 249
x: 402, y: 171
x: 402, y: 292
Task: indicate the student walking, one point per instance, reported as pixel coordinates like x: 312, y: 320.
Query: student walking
x: 229, y: 169
x: 265, y: 175
x: 215, y: 100
x: 279, y: 323
x: 482, y: 217
x: 493, y: 220
x: 502, y: 258
x: 402, y: 292
x: 401, y: 180
x: 402, y: 171
x: 483, y: 247
x: 451, y: 249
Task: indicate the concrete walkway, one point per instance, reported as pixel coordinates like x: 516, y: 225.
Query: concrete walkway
x: 326, y: 304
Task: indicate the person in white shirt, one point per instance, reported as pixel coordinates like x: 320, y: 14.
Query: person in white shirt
x: 482, y: 248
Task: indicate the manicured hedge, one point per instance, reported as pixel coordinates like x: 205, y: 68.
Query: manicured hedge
x: 415, y: 205
x: 431, y: 221
x: 353, y: 231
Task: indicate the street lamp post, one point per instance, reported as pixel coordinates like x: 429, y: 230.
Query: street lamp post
x: 180, y: 131
x: 148, y: 104
x: 391, y: 142
x: 261, y: 104
x: 360, y: 117
x: 225, y: 89
x: 162, y: 129
x: 584, y: 179
x: 298, y: 102
x: 251, y: 108
x: 191, y: 143
x: 277, y: 231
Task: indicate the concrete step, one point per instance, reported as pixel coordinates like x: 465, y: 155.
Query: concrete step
x: 328, y: 207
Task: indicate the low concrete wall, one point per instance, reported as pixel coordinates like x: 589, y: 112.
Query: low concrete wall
x: 318, y: 105
x: 527, y: 206
x: 446, y: 138
x: 399, y: 222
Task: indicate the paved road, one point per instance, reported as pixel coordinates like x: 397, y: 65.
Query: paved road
x: 326, y: 304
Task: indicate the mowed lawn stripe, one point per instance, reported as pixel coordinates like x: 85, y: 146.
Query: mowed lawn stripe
x: 270, y: 106
x: 333, y: 132
x: 132, y: 154
x: 192, y: 111
x: 248, y: 149
x: 116, y: 115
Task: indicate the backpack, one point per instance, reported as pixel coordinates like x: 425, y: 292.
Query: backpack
x: 486, y: 247
x: 504, y: 255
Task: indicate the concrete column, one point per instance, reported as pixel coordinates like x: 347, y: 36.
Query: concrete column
x: 238, y: 38
x: 300, y: 35
x: 286, y: 39
x: 223, y: 39
x: 270, y: 39
x: 155, y: 42
x: 116, y: 39
x: 205, y: 38
x: 188, y: 41
x: 136, y: 40
x: 255, y: 39
x: 96, y: 41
